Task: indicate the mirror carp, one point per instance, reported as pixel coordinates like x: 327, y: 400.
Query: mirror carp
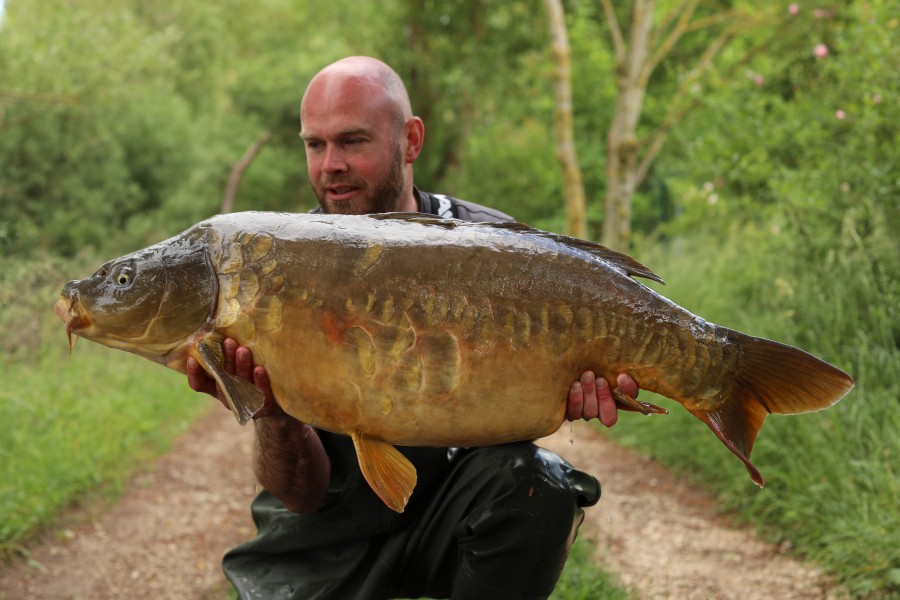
x: 410, y: 330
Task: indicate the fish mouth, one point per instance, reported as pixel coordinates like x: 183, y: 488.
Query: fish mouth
x: 76, y: 320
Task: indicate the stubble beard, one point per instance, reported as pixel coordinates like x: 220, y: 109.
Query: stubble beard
x: 384, y: 196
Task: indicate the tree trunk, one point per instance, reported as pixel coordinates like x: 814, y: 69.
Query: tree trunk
x: 573, y: 185
x: 238, y: 171
x: 622, y: 141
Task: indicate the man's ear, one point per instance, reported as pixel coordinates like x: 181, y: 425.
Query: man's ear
x: 415, y: 136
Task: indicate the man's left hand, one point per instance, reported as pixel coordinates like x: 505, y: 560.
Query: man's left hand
x: 591, y: 398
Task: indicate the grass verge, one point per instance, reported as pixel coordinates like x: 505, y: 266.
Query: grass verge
x: 582, y: 579
x: 80, y: 425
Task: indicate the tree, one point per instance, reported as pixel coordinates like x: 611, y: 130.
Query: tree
x: 637, y: 56
x: 573, y: 186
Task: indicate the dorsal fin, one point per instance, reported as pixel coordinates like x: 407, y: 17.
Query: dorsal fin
x: 619, y: 260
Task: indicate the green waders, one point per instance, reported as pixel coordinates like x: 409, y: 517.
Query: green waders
x: 484, y: 523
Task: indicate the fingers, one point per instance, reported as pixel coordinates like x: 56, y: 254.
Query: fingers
x: 243, y: 363
x: 627, y: 384
x: 197, y: 378
x: 230, y: 347
x: 270, y: 408
x: 583, y: 398
x: 261, y: 380
x: 195, y: 375
x: 589, y: 385
x: 609, y: 414
x: 237, y: 360
x: 591, y: 398
x: 575, y: 406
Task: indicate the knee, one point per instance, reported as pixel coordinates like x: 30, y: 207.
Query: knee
x: 533, y: 490
x: 528, y: 471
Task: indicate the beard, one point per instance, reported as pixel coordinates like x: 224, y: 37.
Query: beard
x: 380, y: 197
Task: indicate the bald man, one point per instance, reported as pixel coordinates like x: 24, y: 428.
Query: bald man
x: 493, y: 522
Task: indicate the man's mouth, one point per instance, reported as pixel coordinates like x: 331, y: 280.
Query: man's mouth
x: 341, y: 192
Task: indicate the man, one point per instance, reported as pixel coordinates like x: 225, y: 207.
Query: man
x: 491, y: 522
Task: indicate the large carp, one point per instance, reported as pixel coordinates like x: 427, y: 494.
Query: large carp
x: 407, y: 329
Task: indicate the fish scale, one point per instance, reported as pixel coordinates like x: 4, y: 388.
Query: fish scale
x: 411, y: 330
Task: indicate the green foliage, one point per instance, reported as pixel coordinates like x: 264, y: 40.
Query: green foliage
x: 450, y: 57
x: 131, y: 115
x: 68, y: 143
x: 28, y: 289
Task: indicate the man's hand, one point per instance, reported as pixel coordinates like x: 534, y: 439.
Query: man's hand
x: 590, y: 398
x: 238, y: 361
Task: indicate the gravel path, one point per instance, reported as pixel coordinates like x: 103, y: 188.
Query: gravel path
x: 166, y: 535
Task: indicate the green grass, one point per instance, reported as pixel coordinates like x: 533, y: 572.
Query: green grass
x: 583, y: 579
x: 832, y: 486
x: 79, y: 425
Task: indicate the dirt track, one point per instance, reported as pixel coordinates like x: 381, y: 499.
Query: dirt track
x: 165, y: 537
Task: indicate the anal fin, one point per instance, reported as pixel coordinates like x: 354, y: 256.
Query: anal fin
x: 389, y: 473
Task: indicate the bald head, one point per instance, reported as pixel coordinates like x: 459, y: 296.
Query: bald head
x: 366, y: 79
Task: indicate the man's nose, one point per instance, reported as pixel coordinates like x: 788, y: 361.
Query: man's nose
x: 334, y: 162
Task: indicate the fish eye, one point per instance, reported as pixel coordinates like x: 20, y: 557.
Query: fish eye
x: 124, y: 277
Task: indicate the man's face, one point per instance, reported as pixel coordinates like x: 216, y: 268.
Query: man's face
x: 354, y: 154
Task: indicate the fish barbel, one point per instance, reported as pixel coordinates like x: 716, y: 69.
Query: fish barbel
x: 410, y: 330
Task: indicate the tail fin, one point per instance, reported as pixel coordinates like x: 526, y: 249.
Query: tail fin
x: 770, y: 378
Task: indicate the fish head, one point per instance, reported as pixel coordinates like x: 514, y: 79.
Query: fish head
x: 149, y: 302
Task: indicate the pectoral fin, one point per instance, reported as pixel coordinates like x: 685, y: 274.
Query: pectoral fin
x: 390, y: 474
x: 243, y: 397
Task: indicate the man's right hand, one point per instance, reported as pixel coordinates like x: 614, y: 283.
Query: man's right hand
x: 238, y: 361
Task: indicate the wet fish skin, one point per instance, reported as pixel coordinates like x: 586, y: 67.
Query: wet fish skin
x: 413, y: 330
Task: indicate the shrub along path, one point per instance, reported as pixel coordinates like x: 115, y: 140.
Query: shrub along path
x: 165, y: 536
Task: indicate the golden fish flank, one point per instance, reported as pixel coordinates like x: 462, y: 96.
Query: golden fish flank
x: 249, y: 284
x: 395, y: 329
